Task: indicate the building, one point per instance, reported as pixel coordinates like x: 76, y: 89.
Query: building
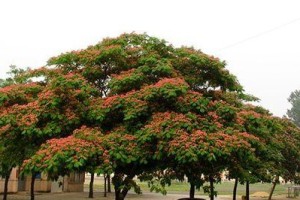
x: 72, y: 183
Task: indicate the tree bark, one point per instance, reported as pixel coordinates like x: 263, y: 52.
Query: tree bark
x: 235, y: 188
x: 121, y: 194
x: 192, y: 190
x: 126, y: 188
x: 105, y: 184
x: 118, y: 194
x: 212, y: 191
x: 108, y: 184
x: 32, y: 186
x: 6, y: 186
x: 247, y: 191
x: 91, y: 191
x: 273, y: 187
x: 125, y: 191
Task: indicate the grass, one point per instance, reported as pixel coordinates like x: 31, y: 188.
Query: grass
x: 224, y: 188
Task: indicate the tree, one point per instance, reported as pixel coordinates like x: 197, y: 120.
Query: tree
x: 275, y: 151
x: 288, y: 139
x: 160, y: 111
x: 140, y: 77
x: 294, y: 112
x: 11, y: 94
x: 7, y: 163
x: 33, y: 112
x: 14, y: 76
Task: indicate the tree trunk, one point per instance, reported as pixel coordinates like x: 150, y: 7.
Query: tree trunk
x: 235, y: 188
x: 212, y: 191
x: 118, y: 194
x: 6, y: 187
x: 192, y: 190
x: 121, y: 194
x: 125, y: 191
x: 273, y: 187
x: 91, y: 191
x: 32, y: 186
x: 105, y: 184
x: 108, y: 184
x: 247, y: 191
x: 126, y: 187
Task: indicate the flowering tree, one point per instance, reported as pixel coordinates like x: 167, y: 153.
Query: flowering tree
x: 135, y: 105
x: 33, y: 112
x: 143, y: 80
x: 15, y: 91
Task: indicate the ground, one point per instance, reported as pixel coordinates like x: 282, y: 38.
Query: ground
x: 99, y: 196
x: 258, y: 191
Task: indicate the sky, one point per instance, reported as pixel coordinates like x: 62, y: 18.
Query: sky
x: 258, y: 39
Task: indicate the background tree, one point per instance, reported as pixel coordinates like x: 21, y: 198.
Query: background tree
x: 15, y: 76
x: 294, y: 112
x: 271, y: 157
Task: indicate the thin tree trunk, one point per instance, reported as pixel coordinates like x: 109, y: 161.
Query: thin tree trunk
x: 118, y: 194
x: 108, y: 184
x: 105, y: 183
x: 212, y: 192
x: 192, y: 190
x: 91, y: 191
x: 273, y: 187
x: 32, y: 186
x: 236, y: 181
x: 247, y: 191
x: 6, y: 187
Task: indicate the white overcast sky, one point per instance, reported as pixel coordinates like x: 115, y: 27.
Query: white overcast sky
x: 259, y: 39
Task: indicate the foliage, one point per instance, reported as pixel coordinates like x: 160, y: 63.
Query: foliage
x: 12, y: 93
x: 294, y: 112
x: 34, y: 112
x: 79, y: 152
x: 15, y: 76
